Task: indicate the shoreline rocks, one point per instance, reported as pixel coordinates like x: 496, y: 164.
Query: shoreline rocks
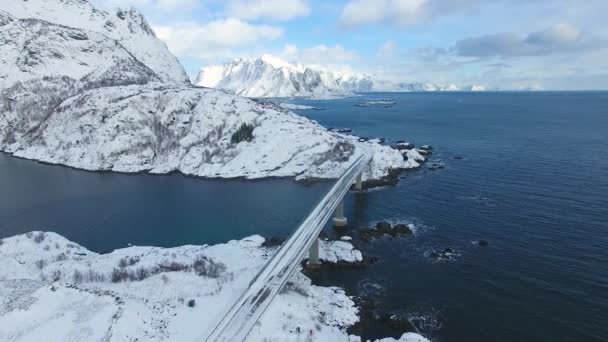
x: 384, y: 228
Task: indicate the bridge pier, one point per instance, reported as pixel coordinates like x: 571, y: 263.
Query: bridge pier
x: 313, y: 255
x: 359, y: 182
x: 339, y: 220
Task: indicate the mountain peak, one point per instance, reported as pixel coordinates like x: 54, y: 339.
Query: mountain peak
x: 128, y: 27
x: 271, y: 76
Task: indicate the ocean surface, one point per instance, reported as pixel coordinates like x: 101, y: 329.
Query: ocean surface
x: 528, y: 172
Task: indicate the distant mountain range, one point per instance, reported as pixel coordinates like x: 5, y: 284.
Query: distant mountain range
x: 269, y: 76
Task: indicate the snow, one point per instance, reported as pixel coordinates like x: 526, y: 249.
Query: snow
x: 341, y: 250
x: 407, y: 337
x: 85, y: 101
x: 128, y: 27
x: 119, y: 129
x: 37, y: 49
x: 269, y: 76
x: 51, y: 303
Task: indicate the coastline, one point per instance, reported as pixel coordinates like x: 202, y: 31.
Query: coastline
x: 160, y: 293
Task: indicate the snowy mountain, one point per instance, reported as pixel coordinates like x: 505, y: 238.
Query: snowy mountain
x: 127, y: 27
x: 421, y: 87
x: 87, y: 96
x: 269, y: 76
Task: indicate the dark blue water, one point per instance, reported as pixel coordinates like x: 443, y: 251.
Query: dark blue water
x: 105, y: 211
x: 533, y: 181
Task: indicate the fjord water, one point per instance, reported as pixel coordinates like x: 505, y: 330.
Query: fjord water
x: 531, y: 178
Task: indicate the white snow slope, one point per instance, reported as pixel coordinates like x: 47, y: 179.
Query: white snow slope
x: 127, y: 27
x: 269, y: 76
x: 52, y: 289
x: 80, y: 98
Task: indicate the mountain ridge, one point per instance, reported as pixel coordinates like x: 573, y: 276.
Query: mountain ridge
x: 270, y: 76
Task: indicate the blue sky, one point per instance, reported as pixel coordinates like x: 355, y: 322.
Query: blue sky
x: 509, y: 44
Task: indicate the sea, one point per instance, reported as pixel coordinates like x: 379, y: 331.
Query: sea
x: 525, y: 171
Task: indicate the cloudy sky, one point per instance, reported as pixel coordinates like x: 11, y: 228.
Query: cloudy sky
x: 510, y: 44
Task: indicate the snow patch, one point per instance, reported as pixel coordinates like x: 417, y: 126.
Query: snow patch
x: 339, y: 251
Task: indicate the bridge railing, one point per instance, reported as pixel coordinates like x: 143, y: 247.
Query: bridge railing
x: 241, y: 317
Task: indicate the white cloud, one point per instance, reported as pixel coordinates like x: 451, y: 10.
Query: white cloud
x: 555, y: 40
x: 387, y: 49
x: 557, y: 34
x: 270, y: 9
x: 407, y: 11
x: 358, y: 12
x: 214, y: 38
x: 319, y: 55
x: 403, y: 12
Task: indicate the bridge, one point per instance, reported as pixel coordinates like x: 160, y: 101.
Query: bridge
x: 241, y: 317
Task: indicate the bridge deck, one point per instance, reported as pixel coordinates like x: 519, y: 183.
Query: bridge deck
x: 236, y: 324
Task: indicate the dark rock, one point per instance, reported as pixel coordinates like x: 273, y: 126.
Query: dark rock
x: 426, y: 147
x: 383, y: 226
x: 457, y: 157
x: 448, y: 250
x: 402, y: 145
x: 191, y: 303
x: 402, y: 229
x: 483, y: 242
x: 366, y: 234
x: 273, y: 242
x: 390, y: 179
x: 341, y: 130
x: 370, y: 318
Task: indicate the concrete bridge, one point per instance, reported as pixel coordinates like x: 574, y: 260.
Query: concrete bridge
x: 241, y: 317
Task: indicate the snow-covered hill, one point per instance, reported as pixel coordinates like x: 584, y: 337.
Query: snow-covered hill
x: 162, y: 128
x: 81, y: 98
x: 52, y: 289
x: 128, y: 27
x: 269, y: 76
